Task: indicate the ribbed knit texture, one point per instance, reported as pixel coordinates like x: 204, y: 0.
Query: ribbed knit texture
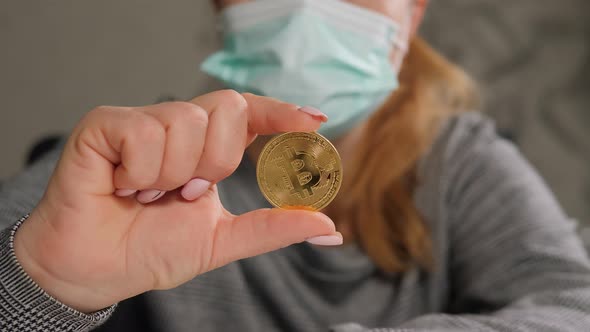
x: 507, y: 259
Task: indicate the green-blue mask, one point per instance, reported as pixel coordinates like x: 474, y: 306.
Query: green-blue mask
x: 327, y: 54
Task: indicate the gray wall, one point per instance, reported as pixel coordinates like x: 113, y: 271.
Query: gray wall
x: 59, y: 59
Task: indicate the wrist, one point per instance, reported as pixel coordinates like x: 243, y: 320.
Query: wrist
x: 26, y: 250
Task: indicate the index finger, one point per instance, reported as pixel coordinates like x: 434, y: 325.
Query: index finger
x: 265, y: 115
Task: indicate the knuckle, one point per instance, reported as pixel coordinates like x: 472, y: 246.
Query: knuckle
x: 240, y: 113
x: 223, y: 165
x: 146, y: 128
x: 101, y: 109
x: 98, y: 112
x: 234, y: 99
x: 191, y: 113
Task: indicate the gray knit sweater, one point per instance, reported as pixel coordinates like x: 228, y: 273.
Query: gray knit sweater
x: 507, y: 259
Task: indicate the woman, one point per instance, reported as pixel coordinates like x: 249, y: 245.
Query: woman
x: 445, y: 226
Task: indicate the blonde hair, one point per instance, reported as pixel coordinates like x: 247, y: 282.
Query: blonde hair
x: 378, y: 205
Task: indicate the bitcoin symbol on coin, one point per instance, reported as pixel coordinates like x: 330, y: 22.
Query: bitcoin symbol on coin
x: 299, y: 170
x: 302, y: 171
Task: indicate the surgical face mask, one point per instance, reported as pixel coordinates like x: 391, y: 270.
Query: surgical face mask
x: 327, y: 54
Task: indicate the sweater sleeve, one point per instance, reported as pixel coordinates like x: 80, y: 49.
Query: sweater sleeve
x: 24, y: 306
x: 517, y: 263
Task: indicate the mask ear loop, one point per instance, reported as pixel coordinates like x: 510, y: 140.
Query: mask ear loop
x: 418, y: 9
x: 402, y: 41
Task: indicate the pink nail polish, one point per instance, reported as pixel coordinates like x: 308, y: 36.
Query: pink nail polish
x: 148, y: 196
x: 125, y: 192
x: 194, y: 189
x: 315, y: 113
x: 326, y: 240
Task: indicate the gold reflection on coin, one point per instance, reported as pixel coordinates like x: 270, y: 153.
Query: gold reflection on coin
x: 299, y: 171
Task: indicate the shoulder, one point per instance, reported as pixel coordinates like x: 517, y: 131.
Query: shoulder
x: 472, y: 159
x: 470, y: 137
x: 466, y: 133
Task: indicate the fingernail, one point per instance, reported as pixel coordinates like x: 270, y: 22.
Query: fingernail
x: 315, y: 113
x: 194, y: 189
x: 148, y: 196
x: 125, y: 192
x: 326, y: 240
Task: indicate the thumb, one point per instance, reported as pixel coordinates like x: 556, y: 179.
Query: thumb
x: 265, y: 230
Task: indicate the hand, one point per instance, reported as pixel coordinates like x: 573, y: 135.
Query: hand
x: 89, y: 248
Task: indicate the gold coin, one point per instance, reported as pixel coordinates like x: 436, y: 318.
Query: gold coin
x: 299, y: 171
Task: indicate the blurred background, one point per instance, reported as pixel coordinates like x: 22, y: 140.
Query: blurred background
x: 59, y: 59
